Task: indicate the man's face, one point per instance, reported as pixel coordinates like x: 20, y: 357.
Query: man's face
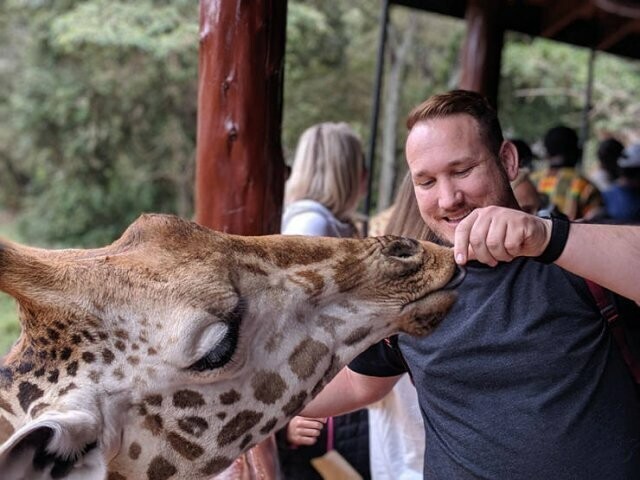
x: 454, y: 173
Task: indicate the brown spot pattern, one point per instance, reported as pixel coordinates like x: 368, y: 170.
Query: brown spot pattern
x: 95, y: 376
x: 72, y: 369
x: 273, y: 343
x: 187, y: 399
x: 314, y: 282
x: 68, y: 388
x: 154, y: 400
x: 357, y: 336
x: 268, y: 387
x: 153, y: 423
x: 115, y: 476
x: 230, y: 397
x: 253, y: 268
x: 53, y: 376
x: 238, y: 426
x: 133, y: 360
x: 221, y: 415
x: 27, y: 394
x: 88, y: 357
x: 330, y: 323
x: 160, y: 469
x: 270, y: 425
x: 6, y: 406
x: 216, y: 465
x: 65, y: 353
x: 195, y: 426
x: 121, y: 334
x: 6, y: 377
x: 347, y: 271
x: 37, y: 409
x: 245, y: 441
x: 6, y: 430
x: 134, y: 450
x: 107, y: 356
x: 294, y: 405
x: 305, y: 357
x: 119, y: 344
x: 184, y: 447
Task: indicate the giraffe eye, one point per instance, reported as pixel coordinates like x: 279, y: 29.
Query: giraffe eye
x: 223, y: 352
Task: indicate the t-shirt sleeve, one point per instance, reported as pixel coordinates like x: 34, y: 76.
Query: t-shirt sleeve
x: 307, y: 223
x: 379, y: 360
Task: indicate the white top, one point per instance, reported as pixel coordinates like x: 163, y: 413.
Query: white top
x: 396, y: 434
x: 308, y: 217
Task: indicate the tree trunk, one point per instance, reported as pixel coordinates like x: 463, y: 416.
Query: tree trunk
x: 398, y: 61
x: 239, y: 165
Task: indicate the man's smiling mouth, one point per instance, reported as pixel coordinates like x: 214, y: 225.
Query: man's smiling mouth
x: 457, y: 218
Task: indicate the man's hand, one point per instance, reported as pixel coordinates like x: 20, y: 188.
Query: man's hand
x: 497, y: 234
x: 304, y: 430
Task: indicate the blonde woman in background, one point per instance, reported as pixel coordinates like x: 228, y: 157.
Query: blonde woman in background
x: 327, y: 180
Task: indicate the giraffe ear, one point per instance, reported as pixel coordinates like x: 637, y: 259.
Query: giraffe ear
x: 56, y: 445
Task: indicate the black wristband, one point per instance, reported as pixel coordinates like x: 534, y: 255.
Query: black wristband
x: 559, y: 234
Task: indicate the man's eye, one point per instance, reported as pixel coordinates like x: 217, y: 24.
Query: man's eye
x: 426, y: 183
x: 462, y: 173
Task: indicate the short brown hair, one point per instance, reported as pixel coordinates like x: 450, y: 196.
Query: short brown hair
x: 462, y: 102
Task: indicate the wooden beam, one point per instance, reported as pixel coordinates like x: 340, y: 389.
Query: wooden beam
x: 559, y: 15
x: 482, y: 50
x: 239, y: 162
x: 613, y: 35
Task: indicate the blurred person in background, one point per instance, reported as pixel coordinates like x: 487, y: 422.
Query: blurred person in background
x: 561, y: 182
x: 622, y: 199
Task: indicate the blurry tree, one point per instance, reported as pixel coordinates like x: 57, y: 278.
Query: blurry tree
x: 102, y: 114
x: 544, y: 84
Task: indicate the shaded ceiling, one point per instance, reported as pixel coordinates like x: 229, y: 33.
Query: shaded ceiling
x: 611, y: 26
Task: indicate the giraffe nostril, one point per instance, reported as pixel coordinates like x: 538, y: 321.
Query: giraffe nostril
x: 402, y: 248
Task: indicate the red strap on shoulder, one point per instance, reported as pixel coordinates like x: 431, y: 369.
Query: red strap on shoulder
x: 610, y: 313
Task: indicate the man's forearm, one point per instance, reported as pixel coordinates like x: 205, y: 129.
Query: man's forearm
x: 606, y: 254
x: 347, y: 392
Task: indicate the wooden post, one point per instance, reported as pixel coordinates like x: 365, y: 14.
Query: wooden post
x: 239, y: 164
x: 482, y: 50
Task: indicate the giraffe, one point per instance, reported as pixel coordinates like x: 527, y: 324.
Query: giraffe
x: 176, y: 348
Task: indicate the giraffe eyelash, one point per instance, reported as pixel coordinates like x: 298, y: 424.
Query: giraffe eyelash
x: 223, y: 352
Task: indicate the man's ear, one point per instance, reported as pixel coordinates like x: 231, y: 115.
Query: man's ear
x: 509, y: 159
x: 56, y: 445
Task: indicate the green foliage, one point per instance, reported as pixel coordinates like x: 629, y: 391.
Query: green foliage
x: 103, y: 114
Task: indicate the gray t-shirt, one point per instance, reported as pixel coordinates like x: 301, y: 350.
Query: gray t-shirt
x: 521, y: 381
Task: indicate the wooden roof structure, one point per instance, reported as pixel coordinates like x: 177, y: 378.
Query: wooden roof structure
x: 611, y: 26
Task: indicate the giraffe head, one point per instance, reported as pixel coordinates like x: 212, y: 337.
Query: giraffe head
x: 176, y: 348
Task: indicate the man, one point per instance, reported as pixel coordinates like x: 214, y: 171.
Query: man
x: 521, y: 379
x: 561, y: 183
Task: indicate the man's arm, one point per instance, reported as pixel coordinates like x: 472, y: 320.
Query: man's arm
x: 606, y: 254
x: 347, y: 392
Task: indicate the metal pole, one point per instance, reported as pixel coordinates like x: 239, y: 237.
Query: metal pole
x: 373, y: 127
x: 584, y: 133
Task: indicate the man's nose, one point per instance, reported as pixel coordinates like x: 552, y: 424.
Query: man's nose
x: 449, y: 196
